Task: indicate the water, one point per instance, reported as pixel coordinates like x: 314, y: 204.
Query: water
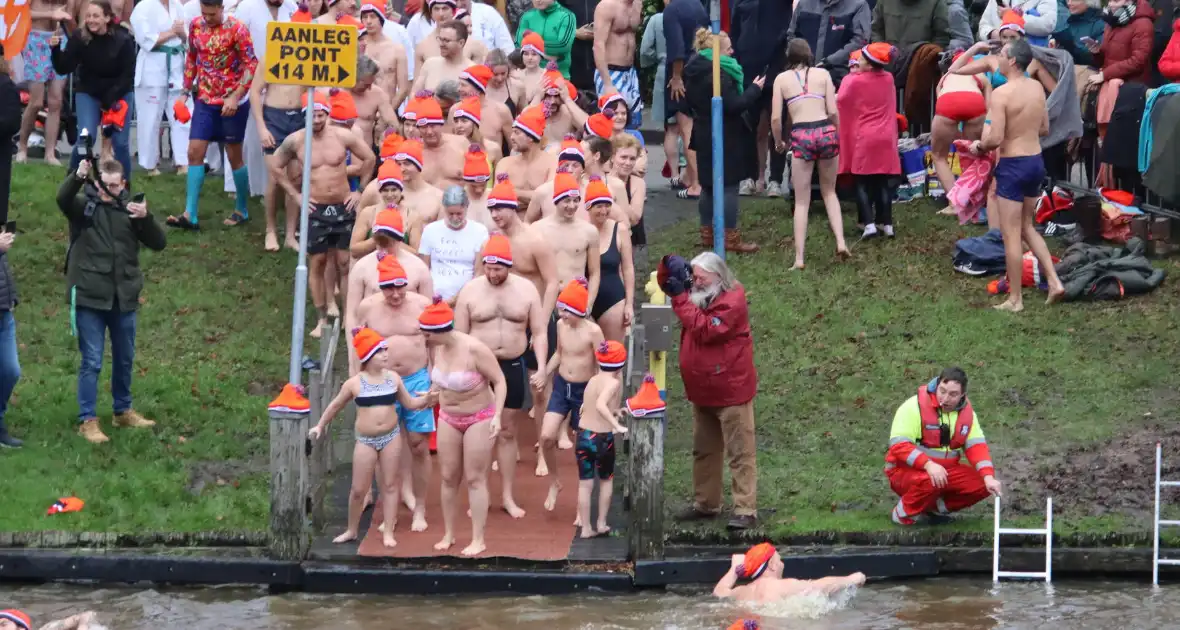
x: 935, y: 604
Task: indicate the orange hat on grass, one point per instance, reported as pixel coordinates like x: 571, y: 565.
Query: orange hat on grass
x: 503, y: 194
x: 19, y: 618
x: 611, y: 356
x: 532, y: 121
x: 646, y: 401
x: 879, y: 53
x: 533, y: 42
x: 366, y: 341
x: 497, y: 251
x: 341, y: 106
x: 438, y: 317
x: 574, y: 297
x: 1012, y: 20
x: 390, y: 173
x: 571, y: 149
x: 564, y: 185
x: 597, y: 192
x: 478, y: 76
x: 757, y: 559
x: 468, y: 108
x: 429, y: 112
x: 320, y: 103
x: 389, y: 221
x: 410, y: 151
x: 293, y: 399
x: 475, y: 165
x: 66, y: 504
x: 600, y: 125
x: 390, y: 273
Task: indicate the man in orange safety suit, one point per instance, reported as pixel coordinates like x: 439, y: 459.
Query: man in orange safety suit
x: 931, y: 432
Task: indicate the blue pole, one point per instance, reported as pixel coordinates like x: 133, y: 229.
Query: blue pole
x: 717, y: 131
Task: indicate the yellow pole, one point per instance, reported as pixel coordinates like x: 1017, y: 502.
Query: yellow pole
x: 716, y: 66
x: 657, y: 361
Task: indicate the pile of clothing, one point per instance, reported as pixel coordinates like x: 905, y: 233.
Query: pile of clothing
x: 1099, y: 272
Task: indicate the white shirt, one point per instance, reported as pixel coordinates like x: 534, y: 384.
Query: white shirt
x: 399, y: 34
x: 255, y: 14
x: 487, y: 26
x: 149, y: 19
x: 452, y: 254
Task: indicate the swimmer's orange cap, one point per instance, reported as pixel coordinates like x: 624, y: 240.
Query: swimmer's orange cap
x: 745, y: 624
x: 19, y: 618
x: 532, y: 42
x: 438, y: 317
x: 757, y: 558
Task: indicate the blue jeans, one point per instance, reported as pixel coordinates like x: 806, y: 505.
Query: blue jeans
x: 92, y: 327
x: 9, y: 362
x: 89, y: 112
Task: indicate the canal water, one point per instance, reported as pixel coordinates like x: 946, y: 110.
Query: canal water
x: 933, y: 604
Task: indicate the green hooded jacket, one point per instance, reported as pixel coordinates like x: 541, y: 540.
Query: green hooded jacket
x: 557, y: 26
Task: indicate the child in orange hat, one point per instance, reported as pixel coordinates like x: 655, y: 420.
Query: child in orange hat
x: 532, y: 55
x: 595, y: 443
x: 390, y: 188
x: 760, y: 573
x: 868, y: 138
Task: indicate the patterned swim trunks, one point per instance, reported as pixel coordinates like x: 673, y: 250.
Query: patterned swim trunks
x: 38, y: 64
x: 815, y: 140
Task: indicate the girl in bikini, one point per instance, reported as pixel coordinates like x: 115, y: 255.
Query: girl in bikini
x: 375, y: 390
x: 471, y: 392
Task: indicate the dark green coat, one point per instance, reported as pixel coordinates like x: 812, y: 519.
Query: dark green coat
x: 103, y: 260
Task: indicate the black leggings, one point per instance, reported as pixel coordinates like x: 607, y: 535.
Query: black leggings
x: 874, y: 192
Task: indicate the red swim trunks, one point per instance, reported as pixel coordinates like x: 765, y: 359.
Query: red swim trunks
x: 961, y: 106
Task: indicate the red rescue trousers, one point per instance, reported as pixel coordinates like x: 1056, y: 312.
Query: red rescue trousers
x: 964, y: 488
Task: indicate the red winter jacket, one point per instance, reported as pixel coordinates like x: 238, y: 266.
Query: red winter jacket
x: 717, y: 350
x: 1170, y: 62
x: 1126, y: 51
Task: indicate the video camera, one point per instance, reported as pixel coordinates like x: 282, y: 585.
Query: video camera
x: 86, y: 146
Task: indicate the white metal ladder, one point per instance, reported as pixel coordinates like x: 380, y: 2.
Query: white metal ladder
x: 1156, y: 560
x: 1047, y: 532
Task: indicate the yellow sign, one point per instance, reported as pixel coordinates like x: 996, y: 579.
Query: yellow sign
x: 312, y: 55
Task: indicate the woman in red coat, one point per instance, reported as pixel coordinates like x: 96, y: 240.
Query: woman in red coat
x: 867, y: 102
x: 1170, y: 61
x: 1125, y: 52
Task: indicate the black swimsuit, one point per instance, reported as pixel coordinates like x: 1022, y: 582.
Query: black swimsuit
x: 610, y: 286
x: 638, y: 234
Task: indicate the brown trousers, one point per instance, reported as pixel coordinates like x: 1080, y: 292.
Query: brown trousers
x: 730, y: 430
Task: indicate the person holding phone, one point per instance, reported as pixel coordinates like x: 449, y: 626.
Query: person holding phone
x: 1125, y: 50
x: 107, y: 227
x: 1083, y: 28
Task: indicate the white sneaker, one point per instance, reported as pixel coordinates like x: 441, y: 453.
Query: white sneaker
x: 772, y: 189
x: 746, y: 187
x: 870, y: 231
x: 888, y: 229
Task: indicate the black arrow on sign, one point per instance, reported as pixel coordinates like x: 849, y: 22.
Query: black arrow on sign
x: 342, y: 74
x: 274, y: 70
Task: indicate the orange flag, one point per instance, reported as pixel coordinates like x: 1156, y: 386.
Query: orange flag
x: 14, y: 26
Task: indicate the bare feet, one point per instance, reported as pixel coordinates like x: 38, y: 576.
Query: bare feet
x: 318, y: 331
x: 603, y: 530
x: 513, y: 509
x: 474, y: 549
x: 444, y: 544
x: 155, y: 172
x: 272, y: 242
x: 798, y: 266
x: 183, y: 170
x: 948, y: 210
x: 51, y: 159
x: 551, y: 500
x: 291, y: 243
x: 1010, y: 306
x: 588, y: 532
x: 1056, y: 294
x: 345, y: 537
x: 419, y: 524
x: 21, y: 157
x: 381, y: 528
x: 542, y: 469
x: 843, y: 254
x: 578, y: 520
x: 333, y: 309
x: 563, y: 442
x: 387, y: 539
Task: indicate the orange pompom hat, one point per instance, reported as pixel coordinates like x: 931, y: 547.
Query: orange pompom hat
x: 757, y: 559
x: 468, y: 108
x: 369, y: 7
x: 478, y: 76
x: 390, y: 273
x: 1012, y: 20
x: 574, y: 297
x: 532, y: 121
x: 390, y: 173
x: 180, y: 110
x: 367, y: 342
x: 438, y: 317
x: 503, y: 194
x: 475, y: 165
x: 293, y: 399
x: 64, y: 505
x: 389, y: 144
x: 341, y: 106
x: 646, y: 401
x: 564, y: 185
x: 879, y: 53
x: 532, y: 42
x: 611, y: 356
x: 19, y: 618
x: 429, y: 112
x: 571, y: 150
x: 597, y: 192
x: 320, y: 103
x: 607, y: 100
x: 600, y: 125
x: 389, y: 221
x: 410, y: 151
x: 497, y: 251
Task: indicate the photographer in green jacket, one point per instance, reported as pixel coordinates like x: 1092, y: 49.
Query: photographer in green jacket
x: 107, y: 227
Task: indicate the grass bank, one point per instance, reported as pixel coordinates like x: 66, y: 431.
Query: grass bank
x: 1072, y: 398
x: 212, y: 348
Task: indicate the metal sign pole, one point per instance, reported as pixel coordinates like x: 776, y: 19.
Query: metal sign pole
x: 299, y: 316
x: 718, y: 136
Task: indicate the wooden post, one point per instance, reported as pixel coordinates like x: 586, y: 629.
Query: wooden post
x: 289, y: 537
x: 316, y: 465
x: 645, y: 532
x: 636, y: 369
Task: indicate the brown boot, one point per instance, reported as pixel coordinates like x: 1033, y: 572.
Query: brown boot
x: 734, y: 243
x: 90, y: 430
x: 707, y: 237
x: 131, y: 418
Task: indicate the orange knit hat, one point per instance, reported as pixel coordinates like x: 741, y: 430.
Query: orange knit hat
x: 410, y: 151
x: 348, y: 20
x: 607, y: 100
x: 854, y: 58
x: 293, y: 399
x: 390, y: 273
x: 597, y: 192
x: 468, y: 108
x: 17, y: 617
x: 647, y: 400
x: 389, y: 142
x: 497, y: 251
x: 757, y: 559
x: 367, y: 342
x: 564, y: 185
x: 611, y: 356
x: 571, y: 149
x: 415, y: 102
x: 390, y: 173
x: 533, y: 42
x: 438, y: 317
x: 321, y: 102
x: 574, y: 297
x: 369, y: 7
x: 341, y: 106
x: 503, y: 194
x: 880, y: 53
x: 429, y: 112
x: 389, y: 221
x: 600, y: 125
x: 532, y: 121
x: 1012, y: 20
x: 475, y: 165
x: 478, y: 76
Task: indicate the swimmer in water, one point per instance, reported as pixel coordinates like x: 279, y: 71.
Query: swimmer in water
x: 17, y: 620
x: 760, y: 571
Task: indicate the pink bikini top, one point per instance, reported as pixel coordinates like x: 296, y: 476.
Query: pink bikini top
x: 464, y: 381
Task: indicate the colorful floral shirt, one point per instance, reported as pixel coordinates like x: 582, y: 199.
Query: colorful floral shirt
x: 220, y: 59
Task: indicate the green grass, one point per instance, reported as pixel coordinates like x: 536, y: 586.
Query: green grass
x: 1059, y: 390
x: 212, y: 350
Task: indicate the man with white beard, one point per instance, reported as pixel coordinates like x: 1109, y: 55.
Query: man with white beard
x: 717, y: 368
